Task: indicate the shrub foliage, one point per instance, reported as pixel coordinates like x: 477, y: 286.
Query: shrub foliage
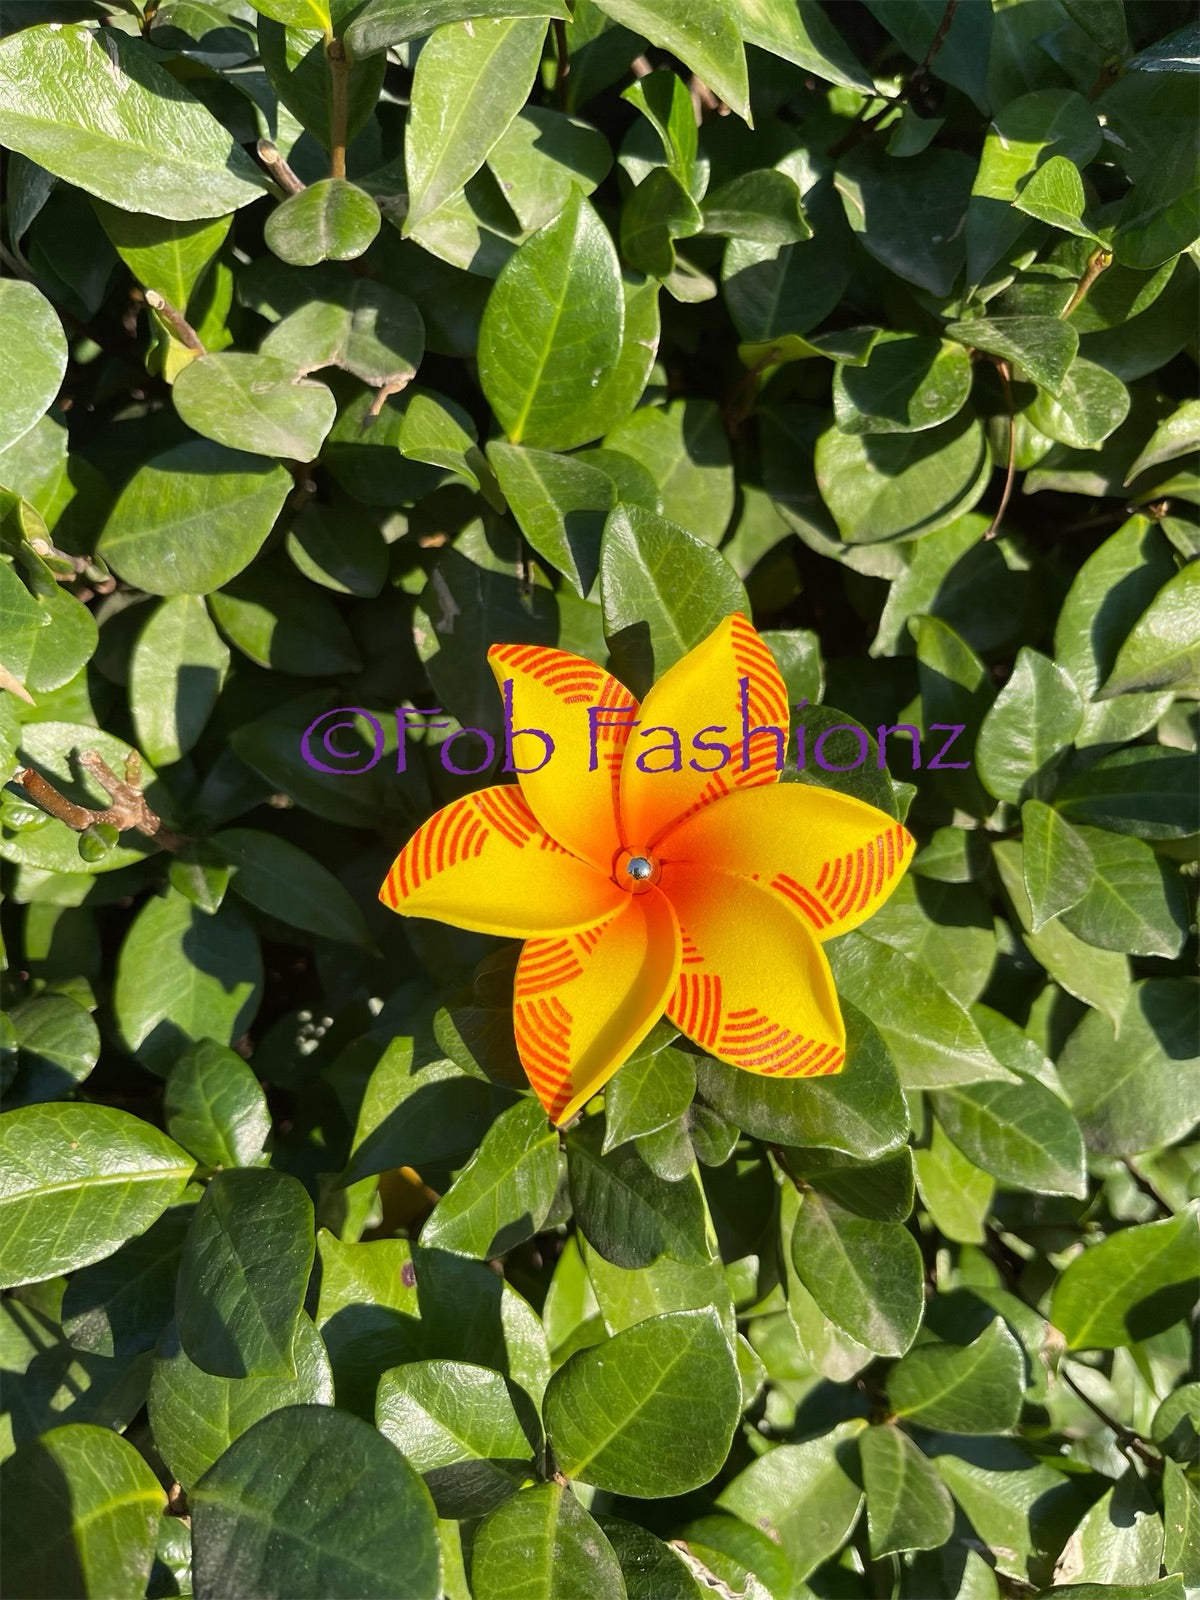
x: 344, y: 338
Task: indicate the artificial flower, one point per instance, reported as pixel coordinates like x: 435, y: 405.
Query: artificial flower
x: 652, y: 861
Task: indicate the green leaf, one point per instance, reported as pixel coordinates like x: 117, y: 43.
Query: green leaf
x: 1134, y: 1080
x: 560, y: 503
x: 977, y: 1388
x: 1161, y: 1589
x: 541, y: 157
x: 1144, y: 790
x: 382, y: 23
x: 652, y: 1570
x: 281, y: 621
x: 1130, y: 1286
x: 471, y: 80
x: 1039, y: 348
x: 539, y: 1545
x: 98, y: 110
x: 866, y: 1276
x: 684, y: 448
x: 1090, y: 405
x: 805, y: 36
x: 367, y: 1516
x: 1163, y: 650
x: 192, y: 517
x: 176, y: 671
x: 76, y: 1181
x: 1111, y: 591
x: 1120, y: 1540
x: 256, y: 403
x: 366, y: 328
x: 895, y: 486
x: 702, y: 33
x: 908, y: 1505
x: 764, y: 206
x: 215, y: 1107
x: 33, y: 335
x: 1057, y: 863
x: 330, y: 221
x: 456, y: 1425
x: 196, y: 1415
x: 81, y: 1511
x: 619, y: 390
x: 1021, y: 1133
x: 119, y: 1306
x: 909, y: 384
x: 663, y: 99
x: 657, y: 212
x: 628, y: 1297
x: 1054, y: 194
x: 930, y: 1035
x: 552, y: 329
x: 504, y: 1194
x: 1176, y: 1426
x: 910, y: 215
x: 244, y: 1274
x: 652, y: 1090
x: 1179, y: 435
x: 1100, y: 978
x: 58, y: 1044
x: 1135, y: 902
x: 339, y: 548
x: 183, y: 975
x: 1181, y: 1517
x: 957, y: 1195
x: 629, y: 1214
x: 859, y: 1111
x: 801, y: 1497
x: 440, y: 432
x: 298, y: 70
x: 670, y: 1377
x: 663, y: 590
x: 1036, y: 713
x: 288, y: 883
x: 167, y: 256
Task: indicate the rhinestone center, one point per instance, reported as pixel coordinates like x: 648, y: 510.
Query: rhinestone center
x: 638, y: 867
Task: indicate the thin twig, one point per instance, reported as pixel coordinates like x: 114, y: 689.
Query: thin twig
x: 339, y: 72
x: 1128, y: 1442
x: 270, y: 157
x: 1098, y: 261
x: 1002, y: 367
x: 862, y: 128
x: 129, y: 808
x: 175, y: 320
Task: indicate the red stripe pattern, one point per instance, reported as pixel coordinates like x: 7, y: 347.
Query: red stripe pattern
x: 543, y: 1029
x: 458, y: 833
x: 750, y: 1039
x: 847, y: 884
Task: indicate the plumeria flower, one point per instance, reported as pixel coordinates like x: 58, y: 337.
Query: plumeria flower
x: 652, y: 861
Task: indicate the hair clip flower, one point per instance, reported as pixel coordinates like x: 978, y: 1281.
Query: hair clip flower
x: 652, y: 861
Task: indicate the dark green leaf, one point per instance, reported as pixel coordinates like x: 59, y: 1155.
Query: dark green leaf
x: 560, y: 503
x: 1145, y: 790
x: 368, y: 329
x: 908, y: 1505
x: 1163, y: 650
x: 1019, y: 1132
x: 1129, y: 1286
x: 542, y: 1544
x: 503, y: 1196
x: 908, y: 384
x: 702, y: 33
x: 244, y: 1274
x: 652, y: 1089
x: 176, y: 671
x: 901, y: 485
x: 866, y: 1276
x: 1036, y: 713
x: 367, y: 1516
x: 255, y: 403
x: 629, y: 1214
x: 1039, y: 348
x: 1135, y: 902
x: 1057, y: 862
x: 287, y: 883
x: 684, y: 448
x: 58, y: 1044
x: 1090, y: 405
x: 331, y: 221
x: 279, y: 620
x: 33, y: 335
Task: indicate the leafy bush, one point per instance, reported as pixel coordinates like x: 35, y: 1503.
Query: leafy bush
x: 346, y: 338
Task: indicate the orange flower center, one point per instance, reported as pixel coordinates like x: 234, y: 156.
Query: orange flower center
x: 634, y: 872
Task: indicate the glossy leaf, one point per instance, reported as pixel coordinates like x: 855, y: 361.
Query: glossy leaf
x: 1036, y: 713
x: 628, y: 1213
x: 1057, y: 862
x: 975, y: 1388
x: 907, y: 385
x: 865, y: 1275
x: 33, y: 334
x: 908, y: 1505
x: 215, y: 1107
x: 1129, y: 1286
x: 538, y: 1543
x: 176, y: 671
x: 244, y: 1274
x: 503, y: 1196
x: 552, y: 330
x: 703, y: 35
x: 99, y: 111
x: 287, y: 883
x: 331, y: 221
x: 671, y: 1375
x: 79, y: 1180
x: 369, y: 1516
x: 255, y: 403
x: 1163, y: 650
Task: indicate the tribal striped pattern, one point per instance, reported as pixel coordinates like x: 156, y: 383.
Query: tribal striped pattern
x: 847, y: 884
x: 459, y: 833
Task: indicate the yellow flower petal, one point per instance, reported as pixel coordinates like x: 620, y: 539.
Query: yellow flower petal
x: 555, y: 692
x: 696, y: 697
x: 755, y: 988
x: 583, y: 1004
x: 483, y: 863
x: 834, y: 858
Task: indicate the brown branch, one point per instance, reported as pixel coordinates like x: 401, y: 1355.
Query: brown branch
x: 1128, y: 1442
x: 129, y: 808
x: 1002, y: 367
x: 1098, y: 261
x: 270, y: 157
x: 175, y: 320
x: 339, y: 73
